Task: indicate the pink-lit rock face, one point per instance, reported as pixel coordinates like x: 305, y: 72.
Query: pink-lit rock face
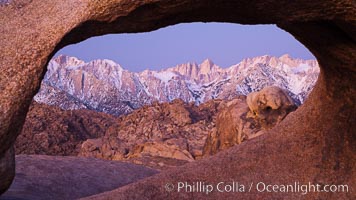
x: 270, y: 106
x: 316, y: 143
x: 246, y: 118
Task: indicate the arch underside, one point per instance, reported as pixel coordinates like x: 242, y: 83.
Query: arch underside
x: 314, y: 144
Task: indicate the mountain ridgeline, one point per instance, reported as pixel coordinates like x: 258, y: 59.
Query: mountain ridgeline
x: 104, y: 86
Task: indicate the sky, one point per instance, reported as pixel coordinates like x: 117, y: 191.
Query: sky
x: 225, y: 44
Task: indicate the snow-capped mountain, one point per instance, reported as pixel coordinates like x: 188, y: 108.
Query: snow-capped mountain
x: 103, y: 85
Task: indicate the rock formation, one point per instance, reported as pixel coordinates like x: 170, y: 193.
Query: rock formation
x: 316, y: 143
x: 269, y: 106
x: 243, y: 119
x: 159, y: 136
x: 232, y: 126
x: 50, y: 130
x: 7, y: 168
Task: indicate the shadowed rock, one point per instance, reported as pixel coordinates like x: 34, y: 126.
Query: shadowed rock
x: 7, y: 169
x: 56, y: 177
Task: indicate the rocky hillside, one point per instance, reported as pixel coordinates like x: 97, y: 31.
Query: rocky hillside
x: 103, y: 85
x: 50, y: 130
x: 160, y: 136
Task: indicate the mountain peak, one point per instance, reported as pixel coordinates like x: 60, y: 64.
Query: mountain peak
x: 206, y: 66
x: 110, y: 62
x: 65, y: 60
x: 285, y: 57
x: 208, y: 62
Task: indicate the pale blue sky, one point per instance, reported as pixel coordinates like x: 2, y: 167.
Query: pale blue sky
x: 224, y: 43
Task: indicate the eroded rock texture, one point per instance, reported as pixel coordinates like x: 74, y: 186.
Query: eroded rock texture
x: 316, y: 143
x: 160, y: 136
x: 269, y: 106
x: 49, y: 130
x: 243, y: 119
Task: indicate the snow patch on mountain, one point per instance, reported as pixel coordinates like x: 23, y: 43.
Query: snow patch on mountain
x: 164, y: 76
x: 301, y: 68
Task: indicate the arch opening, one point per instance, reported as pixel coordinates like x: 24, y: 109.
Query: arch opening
x: 63, y: 120
x: 176, y: 64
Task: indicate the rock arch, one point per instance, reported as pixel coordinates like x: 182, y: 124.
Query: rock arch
x: 316, y: 143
